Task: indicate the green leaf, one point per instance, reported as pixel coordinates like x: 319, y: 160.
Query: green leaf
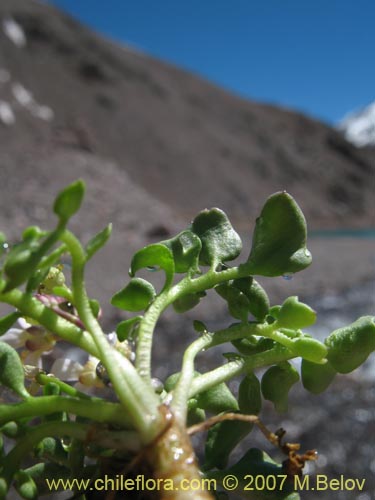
x: 69, y: 200
x: 154, y: 256
x: 220, y: 242
x: 238, y: 303
x: 8, y: 321
x: 136, y: 296
x: 310, y: 349
x: 26, y: 486
x: 185, y: 247
x: 217, y: 399
x: 276, y: 384
x: 32, y: 233
x: 23, y: 259
x: 316, y: 377
x: 98, y: 241
x: 259, y: 303
x: 250, y: 345
x: 294, y: 314
x: 257, y: 463
x: 186, y: 302
x: 11, y: 370
x: 279, y: 239
x: 126, y: 329
x: 223, y: 437
x: 350, y: 346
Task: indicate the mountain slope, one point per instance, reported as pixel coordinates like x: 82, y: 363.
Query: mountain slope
x: 185, y: 141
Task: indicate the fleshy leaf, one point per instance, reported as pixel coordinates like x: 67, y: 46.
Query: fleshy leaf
x: 26, y: 486
x: 223, y: 437
x: 185, y: 247
x: 217, y: 399
x: 186, y: 302
x: 136, y: 296
x: 154, y: 256
x: 257, y: 463
x: 220, y: 242
x: 98, y: 241
x: 316, y: 377
x: 310, y: 349
x: 126, y: 329
x: 8, y: 321
x: 11, y: 370
x: 69, y: 200
x: 279, y: 239
x: 259, y: 303
x: 350, y: 346
x: 294, y: 314
x: 276, y: 384
x: 238, y: 303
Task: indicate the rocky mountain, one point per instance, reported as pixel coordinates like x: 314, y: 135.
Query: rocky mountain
x: 359, y: 126
x: 155, y: 145
x: 185, y: 141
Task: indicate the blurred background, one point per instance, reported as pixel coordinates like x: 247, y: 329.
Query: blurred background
x: 166, y: 109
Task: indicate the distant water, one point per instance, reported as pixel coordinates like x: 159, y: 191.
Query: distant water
x: 367, y: 233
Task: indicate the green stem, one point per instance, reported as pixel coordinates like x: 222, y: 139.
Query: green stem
x: 181, y: 391
x: 167, y: 297
x: 243, y: 364
x: 100, y: 411
x: 33, y: 308
x: 43, y: 379
x: 136, y: 396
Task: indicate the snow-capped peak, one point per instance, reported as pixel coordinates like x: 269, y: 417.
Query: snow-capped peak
x: 359, y: 126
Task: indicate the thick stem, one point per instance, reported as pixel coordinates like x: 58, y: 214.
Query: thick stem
x: 33, y: 308
x: 137, y: 397
x: 174, y: 464
x: 101, y: 411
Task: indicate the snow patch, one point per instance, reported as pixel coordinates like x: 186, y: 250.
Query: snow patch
x: 14, y: 32
x: 25, y: 98
x: 359, y: 126
x: 7, y: 116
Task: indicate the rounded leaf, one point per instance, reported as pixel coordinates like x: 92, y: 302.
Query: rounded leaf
x: 186, y: 302
x: 294, y: 314
x: 259, y: 303
x: 309, y: 348
x: 223, y: 437
x: 249, y: 395
x: 316, y: 377
x: 350, y: 346
x: 69, y: 200
x: 276, y: 384
x: 185, y: 247
x: 279, y: 239
x: 136, y: 296
x: 26, y: 486
x: 154, y: 256
x: 217, y: 399
x: 126, y: 329
x: 11, y: 370
x: 220, y: 242
x: 238, y: 303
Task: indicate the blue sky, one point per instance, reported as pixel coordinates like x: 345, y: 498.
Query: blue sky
x: 310, y: 55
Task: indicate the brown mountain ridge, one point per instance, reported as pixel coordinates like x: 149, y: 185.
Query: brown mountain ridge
x: 155, y: 145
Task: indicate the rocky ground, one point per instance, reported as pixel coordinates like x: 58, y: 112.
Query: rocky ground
x: 155, y: 145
